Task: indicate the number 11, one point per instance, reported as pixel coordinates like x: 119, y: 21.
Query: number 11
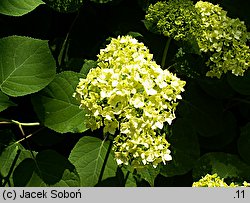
x: 240, y: 194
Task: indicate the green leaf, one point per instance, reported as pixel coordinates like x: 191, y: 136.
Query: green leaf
x: 204, y: 112
x: 224, y: 137
x: 184, y: 147
x: 5, y: 102
x: 227, y: 166
x: 56, y: 107
x: 244, y: 143
x: 48, y: 169
x: 151, y: 26
x: 129, y: 178
x: 89, y: 64
x: 240, y: 84
x: 69, y: 179
x: 7, y: 157
x: 135, y: 34
x: 149, y: 174
x: 18, y: 7
x: 216, y: 88
x: 65, y: 6
x: 131, y: 182
x: 88, y: 157
x: 36, y: 181
x: 56, y: 170
x: 23, y: 172
x: 26, y: 65
x: 117, y: 181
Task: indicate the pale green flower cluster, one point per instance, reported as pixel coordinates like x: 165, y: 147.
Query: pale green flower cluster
x: 131, y: 97
x: 177, y: 19
x: 215, y: 181
x: 224, y: 39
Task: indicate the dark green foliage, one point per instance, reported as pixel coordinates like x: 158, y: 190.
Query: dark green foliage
x: 227, y: 166
x: 47, y: 169
x: 185, y: 148
x: 244, y: 142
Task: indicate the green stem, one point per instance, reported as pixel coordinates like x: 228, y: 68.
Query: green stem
x: 25, y: 124
x: 164, y: 56
x: 19, y: 123
x: 28, y: 136
x: 63, y: 52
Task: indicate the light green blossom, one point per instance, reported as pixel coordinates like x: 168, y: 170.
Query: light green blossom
x: 246, y: 184
x: 215, y: 181
x: 131, y: 97
x: 224, y: 39
x: 177, y: 19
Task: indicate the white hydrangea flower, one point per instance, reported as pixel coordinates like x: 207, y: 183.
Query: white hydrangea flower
x: 131, y: 96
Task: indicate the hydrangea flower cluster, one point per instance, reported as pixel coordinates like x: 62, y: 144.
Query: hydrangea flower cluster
x: 215, y: 181
x: 177, y: 19
x: 224, y: 39
x: 131, y: 97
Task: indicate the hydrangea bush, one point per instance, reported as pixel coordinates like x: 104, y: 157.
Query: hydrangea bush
x: 132, y: 97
